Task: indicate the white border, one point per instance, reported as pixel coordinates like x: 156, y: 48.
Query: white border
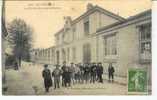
x: 154, y: 74
x: 0, y: 49
x: 154, y: 48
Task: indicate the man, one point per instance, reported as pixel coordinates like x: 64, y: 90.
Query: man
x: 47, y: 78
x: 63, y: 71
x: 93, y: 72
x: 72, y: 73
x: 77, y: 74
x: 67, y: 77
x: 56, y: 74
x: 81, y: 72
x: 100, y: 72
x: 111, y: 72
x: 86, y: 72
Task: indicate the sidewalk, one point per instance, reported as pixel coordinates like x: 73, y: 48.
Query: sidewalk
x: 22, y: 81
x: 17, y: 83
x: 117, y: 79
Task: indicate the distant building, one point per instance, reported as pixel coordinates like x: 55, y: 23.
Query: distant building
x: 44, y: 56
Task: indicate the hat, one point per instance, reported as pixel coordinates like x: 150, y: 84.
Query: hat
x: 45, y: 65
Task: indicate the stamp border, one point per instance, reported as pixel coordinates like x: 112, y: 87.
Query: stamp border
x: 137, y: 93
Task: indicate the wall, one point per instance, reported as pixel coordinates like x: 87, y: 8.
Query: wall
x: 128, y: 49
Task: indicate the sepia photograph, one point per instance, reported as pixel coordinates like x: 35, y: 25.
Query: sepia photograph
x: 76, y: 47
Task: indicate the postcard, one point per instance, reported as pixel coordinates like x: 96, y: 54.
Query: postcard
x: 76, y: 47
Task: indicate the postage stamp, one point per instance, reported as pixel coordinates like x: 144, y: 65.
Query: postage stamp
x: 137, y: 80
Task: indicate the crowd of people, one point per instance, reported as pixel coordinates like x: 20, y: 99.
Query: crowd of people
x: 75, y: 74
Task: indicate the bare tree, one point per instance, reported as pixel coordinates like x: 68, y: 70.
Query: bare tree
x: 20, y: 35
x: 4, y: 35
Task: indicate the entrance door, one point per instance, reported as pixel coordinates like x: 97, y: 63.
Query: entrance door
x: 57, y: 55
x: 86, y: 53
x: 63, y: 55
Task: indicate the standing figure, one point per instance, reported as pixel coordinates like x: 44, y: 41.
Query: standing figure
x: 77, y: 74
x: 100, y: 72
x: 67, y: 77
x: 46, y: 73
x: 63, y: 71
x: 93, y: 73
x: 56, y: 74
x: 86, y: 72
x: 81, y: 72
x: 111, y: 72
x: 72, y: 72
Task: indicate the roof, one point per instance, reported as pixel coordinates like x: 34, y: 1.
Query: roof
x: 92, y: 10
x: 97, y: 8
x: 128, y: 19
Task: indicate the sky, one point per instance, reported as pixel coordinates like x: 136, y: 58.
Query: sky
x: 47, y: 17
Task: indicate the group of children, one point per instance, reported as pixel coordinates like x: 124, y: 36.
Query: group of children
x: 74, y: 74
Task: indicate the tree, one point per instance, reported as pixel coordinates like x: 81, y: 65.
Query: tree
x: 4, y: 35
x: 20, y: 35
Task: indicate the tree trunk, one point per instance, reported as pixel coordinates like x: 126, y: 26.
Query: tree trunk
x: 19, y: 62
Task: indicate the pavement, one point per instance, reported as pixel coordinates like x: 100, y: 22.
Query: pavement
x: 117, y: 79
x: 28, y: 81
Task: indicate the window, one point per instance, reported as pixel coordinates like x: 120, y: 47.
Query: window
x: 58, y: 57
x: 86, y: 53
x: 74, y: 54
x: 145, y: 41
x: 110, y: 45
x: 68, y: 54
x: 52, y: 53
x: 35, y: 53
x: 145, y: 38
x: 39, y: 53
x: 63, y: 38
x: 48, y: 53
x: 86, y: 27
x: 63, y: 55
x: 74, y: 32
x: 57, y: 39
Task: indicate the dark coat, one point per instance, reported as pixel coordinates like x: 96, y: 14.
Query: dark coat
x: 56, y: 72
x: 67, y: 75
x: 99, y: 70
x: 93, y: 69
x: 86, y: 70
x: 63, y: 68
x: 111, y: 70
x: 47, y: 77
x: 81, y: 67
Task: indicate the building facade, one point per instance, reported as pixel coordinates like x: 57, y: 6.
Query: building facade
x: 76, y: 41
x: 101, y: 36
x: 126, y: 44
x: 43, y: 56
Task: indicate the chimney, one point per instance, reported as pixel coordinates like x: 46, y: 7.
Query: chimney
x: 68, y: 22
x: 89, y: 6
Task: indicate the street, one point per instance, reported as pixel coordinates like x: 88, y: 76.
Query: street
x: 28, y: 81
